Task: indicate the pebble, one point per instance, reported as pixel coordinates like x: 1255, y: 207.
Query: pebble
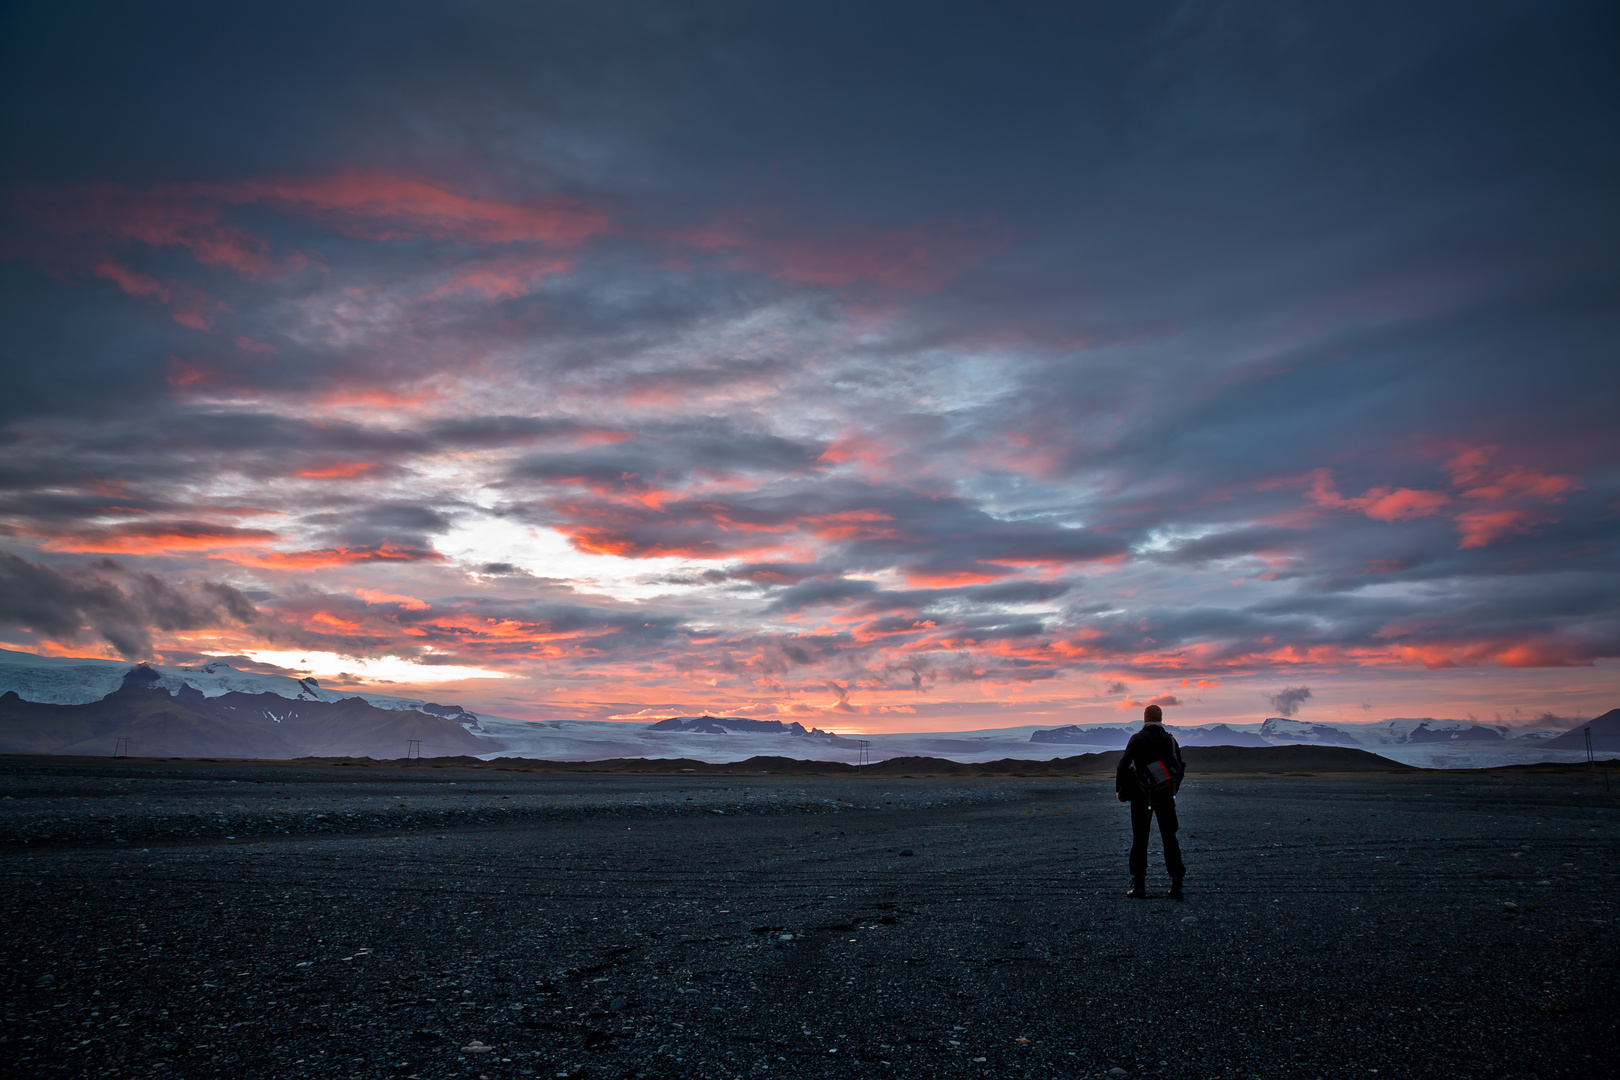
x: 476, y: 1047
x: 1117, y: 1071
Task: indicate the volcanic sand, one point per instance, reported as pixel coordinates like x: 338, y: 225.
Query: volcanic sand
x: 294, y: 919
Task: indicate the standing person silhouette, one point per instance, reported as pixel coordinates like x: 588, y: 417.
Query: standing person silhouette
x: 1148, y: 777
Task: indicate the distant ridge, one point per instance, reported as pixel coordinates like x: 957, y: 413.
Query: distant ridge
x: 187, y: 724
x: 1205, y: 759
x: 1605, y: 734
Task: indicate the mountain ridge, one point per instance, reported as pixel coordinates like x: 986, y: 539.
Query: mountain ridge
x: 65, y: 680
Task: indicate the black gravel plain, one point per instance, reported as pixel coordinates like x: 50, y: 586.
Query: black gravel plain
x: 180, y: 919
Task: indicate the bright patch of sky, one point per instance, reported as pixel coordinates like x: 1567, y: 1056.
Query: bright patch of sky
x: 546, y: 553
x: 389, y: 669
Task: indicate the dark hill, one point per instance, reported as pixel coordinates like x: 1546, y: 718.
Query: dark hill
x: 231, y: 725
x: 1605, y: 734
x: 1199, y: 759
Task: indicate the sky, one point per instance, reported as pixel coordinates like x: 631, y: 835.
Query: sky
x: 896, y: 366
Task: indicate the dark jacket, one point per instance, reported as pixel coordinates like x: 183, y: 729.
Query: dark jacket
x: 1152, y: 743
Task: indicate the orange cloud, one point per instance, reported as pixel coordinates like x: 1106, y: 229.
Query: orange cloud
x: 339, y: 470
x: 1509, y: 500
x: 377, y: 397
x: 1482, y: 528
x: 851, y: 525
x: 950, y: 579
x: 159, y: 538
x: 1380, y: 504
x: 375, y: 596
x: 294, y: 560
x: 1471, y: 469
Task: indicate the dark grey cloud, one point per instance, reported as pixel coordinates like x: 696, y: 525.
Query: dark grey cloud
x: 399, y: 526
x: 668, y: 454
x: 1288, y: 700
x: 925, y: 295
x: 121, y: 606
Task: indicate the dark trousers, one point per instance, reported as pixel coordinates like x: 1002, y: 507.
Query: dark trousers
x: 1142, y: 810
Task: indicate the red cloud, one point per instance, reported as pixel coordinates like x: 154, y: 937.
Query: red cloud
x: 950, y: 579
x: 1509, y: 500
x: 175, y: 216
x: 339, y: 470
x: 103, y: 218
x: 303, y: 560
x: 1381, y: 504
x: 1129, y: 703
x: 160, y: 538
x: 374, y: 596
x: 386, y: 206
x: 187, y: 306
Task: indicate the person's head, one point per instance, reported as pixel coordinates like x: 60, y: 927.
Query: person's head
x: 1152, y: 715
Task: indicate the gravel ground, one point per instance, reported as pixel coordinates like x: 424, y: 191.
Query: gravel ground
x: 290, y: 920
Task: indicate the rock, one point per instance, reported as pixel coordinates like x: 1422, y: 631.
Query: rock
x: 907, y: 851
x: 1117, y: 1071
x: 46, y: 979
x: 476, y: 1047
x: 616, y: 1005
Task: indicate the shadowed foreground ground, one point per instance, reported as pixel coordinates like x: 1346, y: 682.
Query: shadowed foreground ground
x: 392, y: 923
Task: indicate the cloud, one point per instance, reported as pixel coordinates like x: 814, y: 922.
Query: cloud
x: 638, y: 359
x: 1288, y: 700
x: 121, y: 606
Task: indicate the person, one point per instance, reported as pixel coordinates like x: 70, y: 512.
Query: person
x: 1150, y: 745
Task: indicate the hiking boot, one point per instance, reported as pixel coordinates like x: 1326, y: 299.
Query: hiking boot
x: 1138, y: 890
x: 1175, y: 891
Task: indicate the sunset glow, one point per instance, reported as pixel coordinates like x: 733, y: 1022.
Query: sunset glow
x: 992, y: 380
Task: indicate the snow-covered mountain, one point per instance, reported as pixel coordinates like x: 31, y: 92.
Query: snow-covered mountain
x: 1278, y: 730
x: 736, y: 725
x: 1426, y: 741
x: 1422, y: 741
x: 1071, y: 735
x: 1219, y: 735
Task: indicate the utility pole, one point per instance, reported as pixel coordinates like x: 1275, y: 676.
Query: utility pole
x: 865, y: 757
x: 1591, y: 763
x: 121, y: 748
x: 413, y: 749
